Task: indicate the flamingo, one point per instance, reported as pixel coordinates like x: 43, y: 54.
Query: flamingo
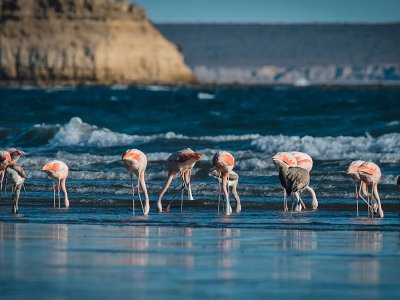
x: 290, y: 160
x: 57, y: 170
x: 15, y: 175
x: 370, y: 174
x: 233, y: 181
x: 5, y: 159
x: 135, y: 161
x: 352, y: 170
x: 305, y: 161
x: 223, y: 163
x: 293, y: 179
x: 179, y: 162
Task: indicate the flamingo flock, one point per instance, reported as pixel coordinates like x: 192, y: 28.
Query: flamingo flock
x: 293, y: 170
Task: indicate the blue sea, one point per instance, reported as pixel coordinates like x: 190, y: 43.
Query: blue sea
x: 260, y: 252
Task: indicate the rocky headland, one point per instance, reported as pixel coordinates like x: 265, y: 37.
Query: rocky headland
x: 78, y: 42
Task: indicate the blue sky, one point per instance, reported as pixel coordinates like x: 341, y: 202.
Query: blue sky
x: 272, y: 11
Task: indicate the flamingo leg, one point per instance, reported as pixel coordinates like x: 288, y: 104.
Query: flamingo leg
x: 285, y: 207
x: 184, y: 183
x: 146, y: 195
x: 166, y: 185
x: 54, y: 194
x: 299, y: 202
x: 378, y: 199
x: 182, y: 200
x: 1, y: 182
x: 133, y: 194
x: 220, y: 191
x: 228, y: 210
x: 314, y: 203
x: 236, y: 196
x: 64, y: 189
x: 5, y: 186
x: 361, y: 197
x: 173, y: 198
x: 23, y: 185
x: 355, y: 184
x: 138, y: 191
x: 16, y: 194
x: 291, y: 212
x: 188, y: 174
x: 59, y: 198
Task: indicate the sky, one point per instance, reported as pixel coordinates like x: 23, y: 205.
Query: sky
x: 271, y: 11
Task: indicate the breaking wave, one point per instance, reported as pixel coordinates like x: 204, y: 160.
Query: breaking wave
x: 78, y: 133
x: 385, y: 148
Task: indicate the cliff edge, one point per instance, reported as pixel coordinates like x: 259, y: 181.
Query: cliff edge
x: 69, y: 42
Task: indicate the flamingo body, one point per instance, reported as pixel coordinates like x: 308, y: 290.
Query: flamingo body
x: 223, y: 163
x: 179, y: 162
x: 296, y: 159
x: 370, y: 174
x: 16, y: 176
x: 135, y: 161
x: 293, y: 179
x: 303, y: 160
x: 5, y: 160
x: 57, y: 170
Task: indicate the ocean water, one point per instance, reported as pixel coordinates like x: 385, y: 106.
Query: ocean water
x: 90, y: 128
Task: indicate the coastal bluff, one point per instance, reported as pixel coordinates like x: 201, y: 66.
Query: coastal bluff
x: 84, y: 42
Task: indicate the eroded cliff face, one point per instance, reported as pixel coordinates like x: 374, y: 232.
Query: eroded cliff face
x: 53, y: 42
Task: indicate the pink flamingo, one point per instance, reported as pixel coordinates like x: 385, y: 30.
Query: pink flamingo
x: 293, y: 179
x: 352, y: 170
x: 223, y: 163
x: 5, y: 160
x: 233, y: 181
x: 288, y: 159
x: 15, y: 175
x: 305, y: 161
x: 135, y: 161
x: 179, y: 162
x: 370, y: 174
x: 57, y: 170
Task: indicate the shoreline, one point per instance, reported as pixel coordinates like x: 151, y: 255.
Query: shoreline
x: 198, y: 85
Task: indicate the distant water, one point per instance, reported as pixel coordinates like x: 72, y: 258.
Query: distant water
x: 90, y: 128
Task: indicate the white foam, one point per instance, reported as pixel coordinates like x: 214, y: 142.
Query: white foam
x: 205, y: 96
x: 78, y: 133
x: 385, y: 148
x: 393, y: 123
x: 157, y: 88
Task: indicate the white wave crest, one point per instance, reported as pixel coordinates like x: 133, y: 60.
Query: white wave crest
x: 385, y: 148
x: 78, y: 133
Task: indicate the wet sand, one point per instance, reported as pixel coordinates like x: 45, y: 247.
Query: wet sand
x: 54, y: 261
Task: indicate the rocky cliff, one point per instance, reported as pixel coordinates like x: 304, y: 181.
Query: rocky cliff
x: 53, y: 42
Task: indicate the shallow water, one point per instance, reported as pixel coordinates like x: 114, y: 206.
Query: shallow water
x: 98, y: 249
x: 151, y: 262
